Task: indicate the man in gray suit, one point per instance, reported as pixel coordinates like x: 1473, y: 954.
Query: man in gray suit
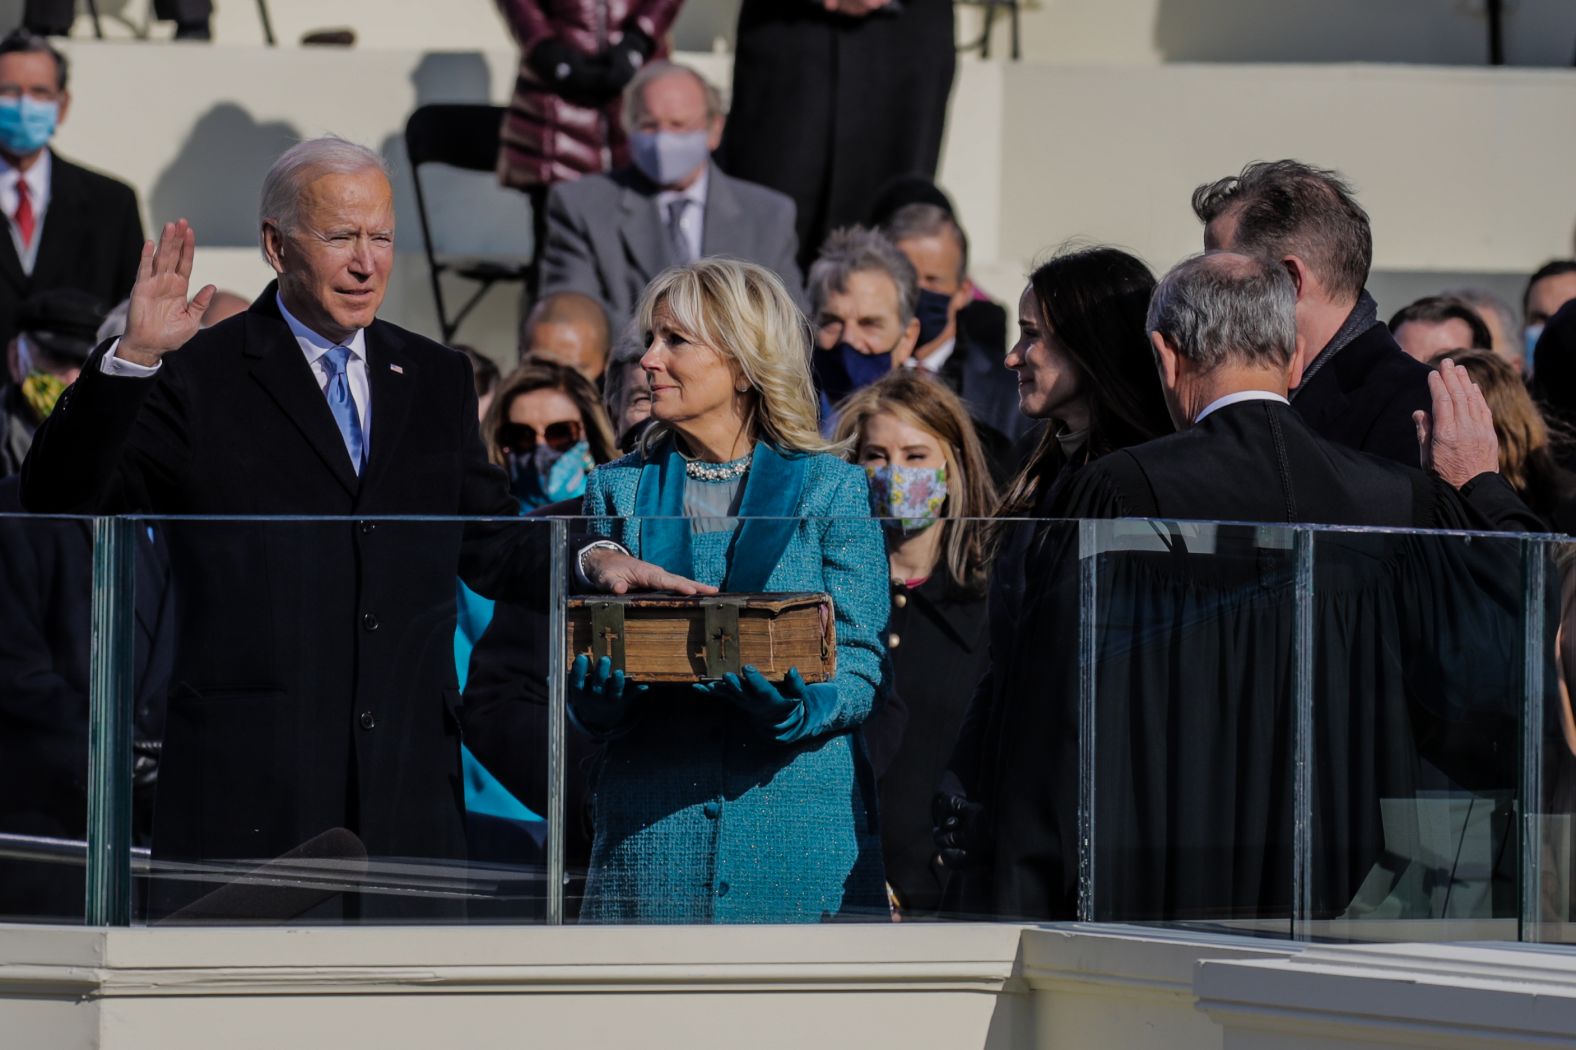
x: 609, y: 235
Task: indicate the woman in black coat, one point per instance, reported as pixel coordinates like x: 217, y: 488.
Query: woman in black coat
x: 930, y: 485
x: 1004, y: 820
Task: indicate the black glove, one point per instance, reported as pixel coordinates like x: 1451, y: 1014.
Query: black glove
x: 567, y: 70
x: 625, y: 58
x: 959, y: 831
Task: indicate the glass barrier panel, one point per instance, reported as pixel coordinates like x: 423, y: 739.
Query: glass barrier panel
x: 47, y: 607
x: 1189, y: 680
x: 1278, y: 731
x: 731, y: 778
x: 320, y: 761
x: 1420, y: 644
x: 1549, y: 756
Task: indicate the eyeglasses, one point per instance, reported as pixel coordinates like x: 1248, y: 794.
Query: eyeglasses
x: 518, y: 437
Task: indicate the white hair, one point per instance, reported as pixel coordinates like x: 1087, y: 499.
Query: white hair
x: 634, y: 109
x: 298, y: 166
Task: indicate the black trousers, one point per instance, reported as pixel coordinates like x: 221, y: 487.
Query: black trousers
x: 54, y: 17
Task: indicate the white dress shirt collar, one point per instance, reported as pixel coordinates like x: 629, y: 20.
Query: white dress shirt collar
x: 933, y: 361
x: 38, y: 180
x: 314, y: 345
x: 1240, y: 395
x: 357, y: 370
x: 695, y: 191
x: 693, y: 222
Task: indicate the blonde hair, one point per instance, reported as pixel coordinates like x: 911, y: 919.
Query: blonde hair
x: 926, y: 403
x: 744, y: 313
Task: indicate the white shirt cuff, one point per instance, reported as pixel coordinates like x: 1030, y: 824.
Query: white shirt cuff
x: 111, y: 365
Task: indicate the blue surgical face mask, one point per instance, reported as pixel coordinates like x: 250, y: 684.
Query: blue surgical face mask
x: 934, y: 310
x: 666, y: 157
x: 1531, y: 334
x: 545, y: 475
x: 26, y: 124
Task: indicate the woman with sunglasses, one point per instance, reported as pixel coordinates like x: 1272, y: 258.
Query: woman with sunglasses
x: 748, y: 799
x: 547, y: 428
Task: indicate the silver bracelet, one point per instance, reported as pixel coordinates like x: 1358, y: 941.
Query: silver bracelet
x: 580, y: 559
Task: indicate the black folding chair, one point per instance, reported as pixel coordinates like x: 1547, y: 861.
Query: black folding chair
x: 262, y: 14
x: 466, y: 137
x: 982, y: 45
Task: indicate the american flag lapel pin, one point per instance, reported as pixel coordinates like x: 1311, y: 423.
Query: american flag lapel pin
x: 397, y: 370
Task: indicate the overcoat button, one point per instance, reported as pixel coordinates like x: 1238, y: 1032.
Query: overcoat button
x: 367, y: 721
x: 369, y: 621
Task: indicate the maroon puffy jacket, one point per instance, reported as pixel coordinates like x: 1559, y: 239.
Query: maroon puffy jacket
x: 547, y: 138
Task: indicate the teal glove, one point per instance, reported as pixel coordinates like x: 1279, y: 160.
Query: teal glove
x: 788, y: 712
x: 599, y: 700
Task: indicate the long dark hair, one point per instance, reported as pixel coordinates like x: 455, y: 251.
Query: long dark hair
x: 1094, y: 301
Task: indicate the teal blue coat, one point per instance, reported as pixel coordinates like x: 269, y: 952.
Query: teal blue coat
x: 699, y: 815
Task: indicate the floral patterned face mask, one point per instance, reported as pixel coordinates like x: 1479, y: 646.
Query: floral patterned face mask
x: 907, y: 498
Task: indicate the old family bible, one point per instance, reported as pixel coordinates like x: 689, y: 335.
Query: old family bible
x: 673, y: 638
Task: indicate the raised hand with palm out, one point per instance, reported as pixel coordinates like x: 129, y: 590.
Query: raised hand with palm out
x: 161, y: 318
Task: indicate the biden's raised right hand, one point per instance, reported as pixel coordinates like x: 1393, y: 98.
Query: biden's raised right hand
x: 161, y: 318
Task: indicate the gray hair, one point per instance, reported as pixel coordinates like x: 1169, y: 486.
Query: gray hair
x: 856, y: 249
x: 629, y: 347
x: 635, y: 92
x: 913, y: 221
x: 1224, y: 306
x: 1286, y: 207
x: 298, y: 166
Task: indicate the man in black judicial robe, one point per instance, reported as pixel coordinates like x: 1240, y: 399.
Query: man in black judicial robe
x: 1194, y: 642
x: 314, y: 684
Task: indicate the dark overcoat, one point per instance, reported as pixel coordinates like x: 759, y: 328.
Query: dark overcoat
x: 91, y: 240
x: 314, y: 682
x: 1364, y: 397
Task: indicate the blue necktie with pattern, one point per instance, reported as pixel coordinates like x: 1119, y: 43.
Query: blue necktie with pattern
x: 343, y: 405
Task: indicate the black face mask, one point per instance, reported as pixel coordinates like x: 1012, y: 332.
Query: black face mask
x: 934, y: 310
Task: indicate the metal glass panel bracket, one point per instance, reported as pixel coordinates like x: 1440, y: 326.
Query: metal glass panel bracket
x: 557, y: 716
x: 108, y: 899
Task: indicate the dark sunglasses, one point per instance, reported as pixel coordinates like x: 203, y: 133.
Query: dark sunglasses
x: 517, y: 437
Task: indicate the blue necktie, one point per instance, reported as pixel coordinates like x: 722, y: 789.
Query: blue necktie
x: 343, y: 405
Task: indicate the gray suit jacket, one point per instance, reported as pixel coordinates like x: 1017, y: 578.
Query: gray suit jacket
x: 606, y: 239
